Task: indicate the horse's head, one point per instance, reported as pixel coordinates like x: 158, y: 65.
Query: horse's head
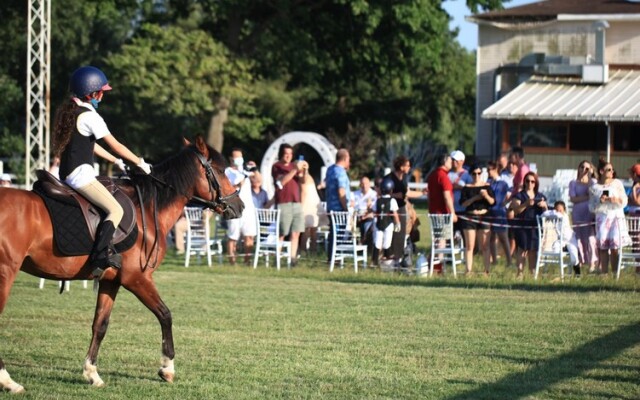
x: 213, y: 186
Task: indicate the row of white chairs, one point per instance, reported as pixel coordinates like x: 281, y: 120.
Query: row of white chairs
x: 447, y: 249
x: 200, y: 242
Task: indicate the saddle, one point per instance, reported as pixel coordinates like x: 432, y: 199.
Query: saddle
x: 75, y: 220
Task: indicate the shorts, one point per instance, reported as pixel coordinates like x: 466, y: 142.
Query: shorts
x: 383, y: 237
x: 479, y: 222
x: 247, y: 225
x: 291, y: 218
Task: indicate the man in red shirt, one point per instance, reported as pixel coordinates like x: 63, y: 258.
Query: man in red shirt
x: 441, y: 195
x: 441, y: 189
x: 287, y: 174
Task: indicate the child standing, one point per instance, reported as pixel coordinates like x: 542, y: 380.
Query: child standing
x: 387, y: 219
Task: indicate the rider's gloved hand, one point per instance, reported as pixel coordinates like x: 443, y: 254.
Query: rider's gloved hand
x: 120, y: 164
x: 144, y: 166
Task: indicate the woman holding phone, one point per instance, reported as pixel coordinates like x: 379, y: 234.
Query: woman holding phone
x: 581, y: 216
x: 527, y: 204
x: 607, y: 200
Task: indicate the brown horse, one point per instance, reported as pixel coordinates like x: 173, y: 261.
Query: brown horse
x: 26, y: 243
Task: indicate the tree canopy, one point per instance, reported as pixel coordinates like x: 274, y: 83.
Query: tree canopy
x: 364, y: 73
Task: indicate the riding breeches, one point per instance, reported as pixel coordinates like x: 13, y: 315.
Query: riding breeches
x: 99, y: 196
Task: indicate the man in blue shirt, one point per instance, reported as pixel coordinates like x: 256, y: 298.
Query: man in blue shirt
x: 337, y: 192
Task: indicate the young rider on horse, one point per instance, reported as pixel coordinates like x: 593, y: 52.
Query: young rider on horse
x: 77, y: 126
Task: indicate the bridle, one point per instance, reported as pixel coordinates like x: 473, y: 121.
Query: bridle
x: 213, y: 178
x: 217, y: 202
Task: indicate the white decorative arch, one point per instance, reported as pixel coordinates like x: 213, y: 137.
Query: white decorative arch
x: 324, y: 147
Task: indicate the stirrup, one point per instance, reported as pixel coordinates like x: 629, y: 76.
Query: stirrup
x: 98, y: 273
x: 115, y: 260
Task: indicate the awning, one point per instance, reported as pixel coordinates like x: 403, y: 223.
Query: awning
x: 555, y: 98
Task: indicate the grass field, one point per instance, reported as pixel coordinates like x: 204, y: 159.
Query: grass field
x: 304, y: 333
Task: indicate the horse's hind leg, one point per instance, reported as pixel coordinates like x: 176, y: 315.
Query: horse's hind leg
x: 104, y: 304
x: 7, y: 276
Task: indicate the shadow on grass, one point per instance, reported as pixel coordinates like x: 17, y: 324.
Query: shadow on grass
x: 480, y: 283
x: 565, y: 366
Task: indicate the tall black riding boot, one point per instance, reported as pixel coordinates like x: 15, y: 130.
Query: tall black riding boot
x: 103, y: 254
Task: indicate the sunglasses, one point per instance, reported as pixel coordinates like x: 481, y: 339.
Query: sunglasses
x: 530, y: 181
x: 584, y: 167
x: 476, y: 173
x: 608, y: 169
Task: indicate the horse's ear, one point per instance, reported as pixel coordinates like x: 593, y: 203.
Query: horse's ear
x: 202, y: 146
x: 185, y: 141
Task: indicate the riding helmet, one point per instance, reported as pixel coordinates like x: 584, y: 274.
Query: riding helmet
x: 86, y: 80
x: 387, y: 186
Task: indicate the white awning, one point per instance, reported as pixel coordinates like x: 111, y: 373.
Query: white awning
x: 554, y: 98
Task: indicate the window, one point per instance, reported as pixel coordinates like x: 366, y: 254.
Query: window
x: 574, y: 136
x: 588, y: 137
x: 626, y: 137
x: 541, y: 135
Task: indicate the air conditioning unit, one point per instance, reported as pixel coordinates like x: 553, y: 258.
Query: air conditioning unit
x: 595, y: 73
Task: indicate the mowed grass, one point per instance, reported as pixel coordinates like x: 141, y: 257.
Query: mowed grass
x: 304, y: 333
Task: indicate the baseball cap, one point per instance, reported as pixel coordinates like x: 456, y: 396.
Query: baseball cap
x: 5, y: 177
x: 635, y: 169
x: 457, y: 155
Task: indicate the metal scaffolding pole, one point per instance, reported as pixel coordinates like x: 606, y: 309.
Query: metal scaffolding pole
x: 38, y: 88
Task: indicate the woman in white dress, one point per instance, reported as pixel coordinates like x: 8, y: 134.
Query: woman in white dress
x: 607, y: 200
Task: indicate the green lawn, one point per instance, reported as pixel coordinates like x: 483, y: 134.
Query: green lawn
x: 304, y: 333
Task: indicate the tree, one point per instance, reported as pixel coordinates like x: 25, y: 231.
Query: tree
x: 366, y: 68
x: 362, y: 71
x: 176, y: 79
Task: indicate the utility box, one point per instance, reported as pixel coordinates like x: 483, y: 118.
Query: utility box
x: 595, y: 73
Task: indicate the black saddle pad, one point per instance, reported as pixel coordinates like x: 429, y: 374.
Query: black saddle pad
x: 71, y: 235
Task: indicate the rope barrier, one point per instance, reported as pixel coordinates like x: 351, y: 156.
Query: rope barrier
x: 495, y: 224
x: 513, y: 226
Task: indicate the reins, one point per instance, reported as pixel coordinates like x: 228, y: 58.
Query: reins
x: 154, y: 246
x: 219, y: 202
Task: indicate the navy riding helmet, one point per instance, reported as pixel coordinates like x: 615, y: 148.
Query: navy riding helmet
x: 387, y: 186
x: 86, y: 80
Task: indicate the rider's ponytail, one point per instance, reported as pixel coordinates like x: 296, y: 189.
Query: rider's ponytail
x: 63, y: 126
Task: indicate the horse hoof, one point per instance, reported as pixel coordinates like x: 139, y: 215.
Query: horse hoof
x: 98, y: 384
x: 166, y: 376
x: 9, y: 385
x: 15, y: 389
x: 90, y: 373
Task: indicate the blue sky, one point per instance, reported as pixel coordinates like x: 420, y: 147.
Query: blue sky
x: 468, y: 35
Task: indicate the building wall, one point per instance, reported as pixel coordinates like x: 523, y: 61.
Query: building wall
x: 498, y: 47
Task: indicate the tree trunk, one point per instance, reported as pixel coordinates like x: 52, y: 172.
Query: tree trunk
x: 215, y: 137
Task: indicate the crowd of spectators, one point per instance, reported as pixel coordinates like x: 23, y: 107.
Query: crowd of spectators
x: 495, y: 218
x: 510, y: 202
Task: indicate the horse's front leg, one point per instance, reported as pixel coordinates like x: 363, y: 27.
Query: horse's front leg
x: 8, y: 274
x: 106, y: 297
x: 147, y: 293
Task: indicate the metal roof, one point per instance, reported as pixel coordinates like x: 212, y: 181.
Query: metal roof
x: 553, y: 9
x: 553, y: 98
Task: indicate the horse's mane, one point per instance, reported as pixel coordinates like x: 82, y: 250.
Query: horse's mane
x: 178, y: 171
